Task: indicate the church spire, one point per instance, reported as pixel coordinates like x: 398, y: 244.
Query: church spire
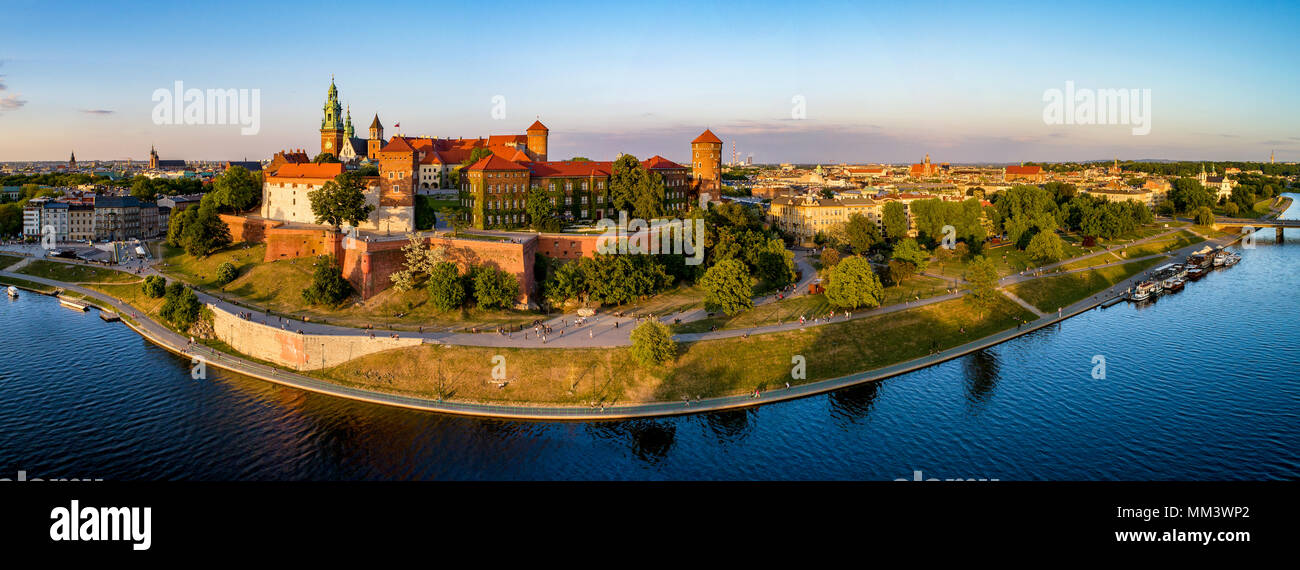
x: 347, y: 126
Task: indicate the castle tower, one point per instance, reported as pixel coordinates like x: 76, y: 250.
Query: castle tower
x: 72, y: 161
x: 706, y: 162
x: 376, y: 140
x: 348, y: 133
x: 331, y: 124
x: 537, y: 135
x: 153, y: 158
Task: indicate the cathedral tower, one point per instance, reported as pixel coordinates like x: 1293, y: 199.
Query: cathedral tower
x: 331, y: 124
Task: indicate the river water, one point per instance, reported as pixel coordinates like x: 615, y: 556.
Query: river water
x: 1200, y: 385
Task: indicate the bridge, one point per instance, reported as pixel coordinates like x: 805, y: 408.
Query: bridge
x: 1258, y: 224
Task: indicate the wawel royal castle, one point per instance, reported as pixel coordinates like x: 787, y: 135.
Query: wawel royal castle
x: 493, y: 189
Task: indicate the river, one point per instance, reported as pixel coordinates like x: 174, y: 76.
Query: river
x: 1200, y: 385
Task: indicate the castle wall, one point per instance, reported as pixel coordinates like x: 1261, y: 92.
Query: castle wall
x: 297, y: 351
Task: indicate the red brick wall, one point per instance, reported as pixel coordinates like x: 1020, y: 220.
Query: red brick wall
x: 367, y: 265
x: 293, y: 243
x: 567, y: 246
x: 244, y: 229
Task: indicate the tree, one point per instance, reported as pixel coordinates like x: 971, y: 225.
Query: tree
x: 830, y: 257
x: 446, y: 288
x: 982, y: 275
x: 226, y: 273
x: 180, y: 306
x: 494, y: 288
x: 566, y: 282
x: 862, y: 234
x: 328, y: 287
x: 853, y: 284
x: 726, y: 287
x: 1045, y: 247
x: 1187, y: 195
x: 236, y: 189
x: 340, y: 201
x: 205, y: 232
x: 652, y: 343
x: 541, y: 212
x: 908, y: 251
x: 154, y: 286
x: 894, y: 218
x: 1204, y: 216
x: 635, y: 190
x: 176, y: 224
x: 420, y: 261
x: 325, y: 157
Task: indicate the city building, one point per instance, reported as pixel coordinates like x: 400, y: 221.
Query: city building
x: 805, y: 216
x: 1023, y: 173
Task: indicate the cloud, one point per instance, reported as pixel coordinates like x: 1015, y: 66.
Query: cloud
x: 97, y: 111
x: 11, y: 102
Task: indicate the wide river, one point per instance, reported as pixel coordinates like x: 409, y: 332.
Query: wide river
x: 1202, y: 384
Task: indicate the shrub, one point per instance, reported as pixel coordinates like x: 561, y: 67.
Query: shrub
x: 652, y: 343
x: 446, y: 288
x: 226, y: 273
x: 494, y: 288
x: 155, y: 286
x: 328, y: 287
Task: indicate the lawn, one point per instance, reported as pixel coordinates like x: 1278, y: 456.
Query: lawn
x: 702, y: 369
x: 7, y: 260
x: 1179, y: 240
x: 277, y: 286
x: 77, y: 273
x: 1052, y: 293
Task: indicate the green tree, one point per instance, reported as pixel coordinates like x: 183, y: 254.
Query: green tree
x: 726, y: 287
x: 180, y: 307
x: 1045, y: 247
x: 494, y: 288
x: 237, y: 189
x: 1204, y: 216
x: 908, y: 251
x: 325, y: 157
x: 635, y: 190
x: 446, y: 288
x: 1187, y: 195
x: 982, y: 275
x: 341, y: 200
x: 328, y: 287
x: 894, y: 218
x: 154, y: 286
x: 226, y: 273
x: 853, y: 284
x: 176, y: 224
x: 541, y: 212
x: 652, y: 343
x: 830, y: 257
x: 862, y: 234
x: 205, y: 232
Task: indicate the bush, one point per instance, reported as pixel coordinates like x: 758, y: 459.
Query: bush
x: 446, y: 289
x: 155, y: 286
x: 226, y: 273
x: 652, y: 343
x: 328, y: 287
x: 494, y: 288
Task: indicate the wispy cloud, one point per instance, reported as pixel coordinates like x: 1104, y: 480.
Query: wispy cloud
x: 12, y: 102
x: 97, y: 111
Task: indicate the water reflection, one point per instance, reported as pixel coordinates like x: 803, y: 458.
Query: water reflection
x: 730, y: 426
x: 981, y: 370
x: 649, y: 440
x: 855, y: 403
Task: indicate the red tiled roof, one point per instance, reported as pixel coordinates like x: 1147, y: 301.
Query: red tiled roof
x: 495, y: 162
x: 537, y: 126
x: 570, y: 168
x: 1024, y: 170
x: 506, y: 139
x: 659, y: 162
x: 397, y: 144
x: 707, y: 137
x: 323, y: 171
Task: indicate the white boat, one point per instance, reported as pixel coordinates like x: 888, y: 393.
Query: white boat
x: 1220, y: 258
x: 1231, y: 260
x: 1145, y: 290
x: 12, y: 291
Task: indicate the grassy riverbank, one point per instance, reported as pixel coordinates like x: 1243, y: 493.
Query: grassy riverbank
x: 702, y: 369
x: 76, y: 273
x: 1051, y: 293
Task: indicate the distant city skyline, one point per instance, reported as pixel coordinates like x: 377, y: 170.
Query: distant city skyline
x: 880, y: 83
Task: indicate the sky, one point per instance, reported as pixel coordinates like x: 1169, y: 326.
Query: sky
x: 806, y: 82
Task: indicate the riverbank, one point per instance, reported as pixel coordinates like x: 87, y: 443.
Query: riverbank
x: 721, y: 372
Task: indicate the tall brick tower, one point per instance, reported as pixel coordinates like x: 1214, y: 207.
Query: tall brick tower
x: 706, y: 163
x: 537, y: 133
x: 331, y: 124
x: 376, y: 140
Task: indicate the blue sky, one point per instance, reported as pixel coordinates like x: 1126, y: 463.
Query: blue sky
x: 883, y: 82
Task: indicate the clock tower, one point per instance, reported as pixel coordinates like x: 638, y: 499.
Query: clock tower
x: 331, y: 124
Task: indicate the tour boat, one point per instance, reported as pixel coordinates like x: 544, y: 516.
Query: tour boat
x: 1173, y: 284
x: 1231, y: 260
x: 12, y: 291
x: 1220, y: 258
x: 1145, y: 290
x: 1195, y: 273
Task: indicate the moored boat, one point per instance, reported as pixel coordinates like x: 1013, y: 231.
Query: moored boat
x: 1231, y: 260
x: 1145, y: 290
x: 1173, y: 284
x: 1220, y: 258
x: 12, y: 291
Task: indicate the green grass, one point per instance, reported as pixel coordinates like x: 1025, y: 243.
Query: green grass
x: 1179, y: 240
x: 25, y: 284
x: 702, y: 369
x: 7, y: 260
x: 77, y: 273
x: 1051, y: 293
